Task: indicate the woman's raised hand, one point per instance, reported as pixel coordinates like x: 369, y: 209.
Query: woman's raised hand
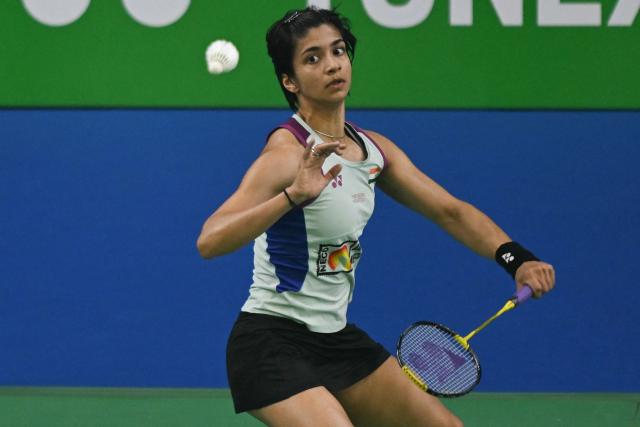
x: 310, y: 180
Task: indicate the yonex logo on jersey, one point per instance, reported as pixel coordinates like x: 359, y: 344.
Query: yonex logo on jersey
x: 508, y: 257
x: 337, y: 181
x: 335, y: 259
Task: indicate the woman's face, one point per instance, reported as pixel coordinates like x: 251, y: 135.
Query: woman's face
x: 321, y: 66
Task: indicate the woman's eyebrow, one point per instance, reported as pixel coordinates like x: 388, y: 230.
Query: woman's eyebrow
x: 316, y: 48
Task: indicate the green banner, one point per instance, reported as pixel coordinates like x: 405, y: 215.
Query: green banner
x: 411, y: 53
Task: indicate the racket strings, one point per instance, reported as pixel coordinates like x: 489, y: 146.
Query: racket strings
x: 439, y: 360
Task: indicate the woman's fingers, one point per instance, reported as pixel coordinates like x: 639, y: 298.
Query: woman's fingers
x: 333, y: 172
x: 318, y: 152
x: 311, y: 180
x: 539, y: 275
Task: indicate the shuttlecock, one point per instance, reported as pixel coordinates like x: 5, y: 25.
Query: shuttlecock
x: 222, y: 56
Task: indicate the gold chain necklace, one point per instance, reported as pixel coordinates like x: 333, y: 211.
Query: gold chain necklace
x: 329, y: 135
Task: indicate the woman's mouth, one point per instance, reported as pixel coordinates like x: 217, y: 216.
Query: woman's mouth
x: 337, y: 83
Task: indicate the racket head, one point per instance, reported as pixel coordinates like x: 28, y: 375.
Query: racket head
x: 437, y: 361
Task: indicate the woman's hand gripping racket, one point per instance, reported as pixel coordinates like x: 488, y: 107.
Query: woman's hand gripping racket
x: 439, y: 360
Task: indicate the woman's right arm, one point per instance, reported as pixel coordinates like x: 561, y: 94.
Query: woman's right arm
x: 259, y: 200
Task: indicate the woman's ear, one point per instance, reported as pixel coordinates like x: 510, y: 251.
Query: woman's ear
x: 289, y: 83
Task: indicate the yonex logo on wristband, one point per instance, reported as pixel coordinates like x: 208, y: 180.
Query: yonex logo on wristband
x: 508, y: 257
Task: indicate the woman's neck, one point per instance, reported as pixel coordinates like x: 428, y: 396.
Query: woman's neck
x: 327, y: 121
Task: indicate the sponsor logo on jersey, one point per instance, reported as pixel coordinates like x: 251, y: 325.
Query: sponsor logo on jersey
x: 359, y: 198
x: 335, y: 259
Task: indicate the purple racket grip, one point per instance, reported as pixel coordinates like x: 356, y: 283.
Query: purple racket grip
x: 523, y: 294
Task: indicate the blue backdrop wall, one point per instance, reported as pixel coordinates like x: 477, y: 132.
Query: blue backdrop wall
x: 101, y: 284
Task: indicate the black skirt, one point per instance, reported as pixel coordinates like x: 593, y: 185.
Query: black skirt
x: 270, y: 359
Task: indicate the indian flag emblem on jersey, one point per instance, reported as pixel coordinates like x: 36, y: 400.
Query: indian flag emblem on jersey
x: 334, y: 259
x: 374, y: 173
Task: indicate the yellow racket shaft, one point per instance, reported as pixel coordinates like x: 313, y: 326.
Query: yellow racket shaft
x: 510, y: 305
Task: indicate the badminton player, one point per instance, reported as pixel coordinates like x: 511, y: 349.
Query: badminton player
x: 292, y: 357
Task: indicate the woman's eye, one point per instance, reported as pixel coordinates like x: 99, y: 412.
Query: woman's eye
x: 339, y: 51
x: 313, y: 59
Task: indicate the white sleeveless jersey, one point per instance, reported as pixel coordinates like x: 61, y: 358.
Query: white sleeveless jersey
x: 304, y: 265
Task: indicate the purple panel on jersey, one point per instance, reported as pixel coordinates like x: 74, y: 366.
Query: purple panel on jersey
x: 287, y: 249
x: 297, y: 130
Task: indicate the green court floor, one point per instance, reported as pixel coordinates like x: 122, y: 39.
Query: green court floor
x: 124, y: 407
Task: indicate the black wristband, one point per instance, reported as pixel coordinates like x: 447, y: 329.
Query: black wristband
x: 511, y: 256
x: 291, y: 202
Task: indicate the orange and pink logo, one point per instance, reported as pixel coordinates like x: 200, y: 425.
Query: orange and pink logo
x: 341, y: 257
x: 334, y: 259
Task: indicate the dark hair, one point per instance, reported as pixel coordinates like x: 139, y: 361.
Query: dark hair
x: 284, y: 33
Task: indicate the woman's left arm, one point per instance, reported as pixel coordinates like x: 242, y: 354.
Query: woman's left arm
x: 405, y: 183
